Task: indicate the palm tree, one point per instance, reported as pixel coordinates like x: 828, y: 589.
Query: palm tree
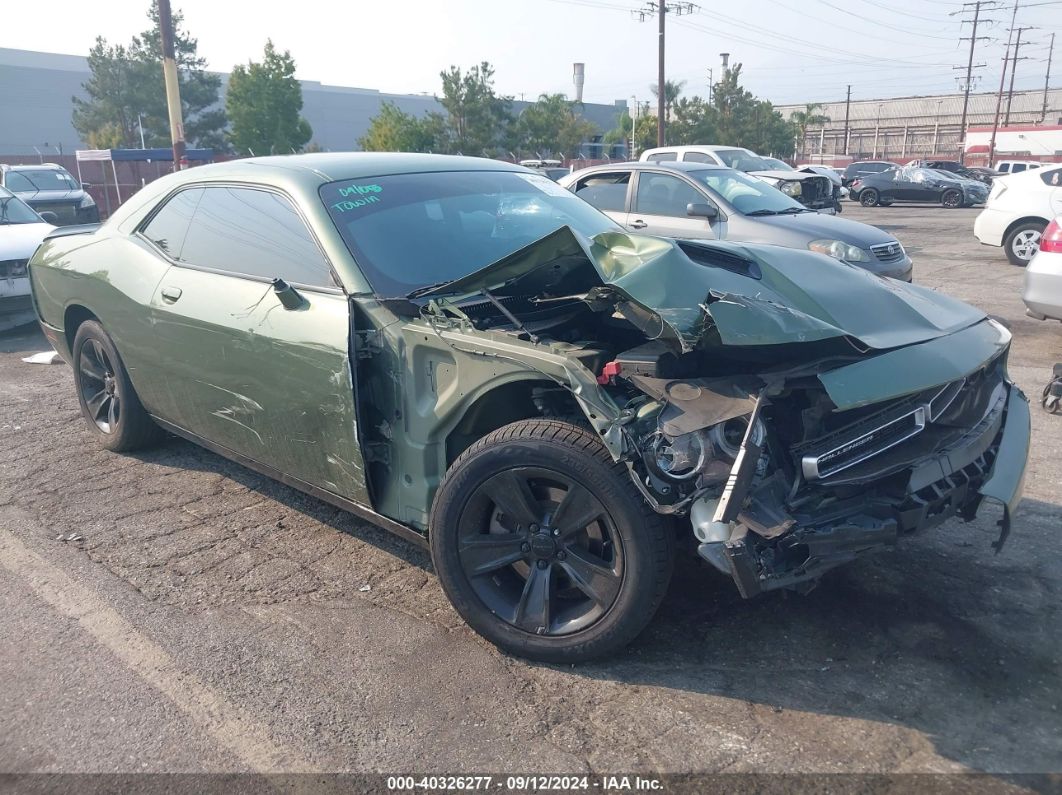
x: 809, y: 117
x: 672, y: 91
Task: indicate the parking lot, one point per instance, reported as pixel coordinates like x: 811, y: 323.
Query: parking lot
x: 172, y: 611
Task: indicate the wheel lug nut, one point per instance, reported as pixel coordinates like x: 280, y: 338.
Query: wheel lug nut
x: 542, y: 564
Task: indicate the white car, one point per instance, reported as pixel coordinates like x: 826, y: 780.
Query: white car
x: 21, y: 231
x: 1043, y: 280
x: 1019, y: 208
x: 814, y: 191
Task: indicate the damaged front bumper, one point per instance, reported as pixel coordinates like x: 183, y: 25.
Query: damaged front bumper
x: 987, y: 462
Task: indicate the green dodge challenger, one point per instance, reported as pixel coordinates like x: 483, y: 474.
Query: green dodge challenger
x: 465, y: 353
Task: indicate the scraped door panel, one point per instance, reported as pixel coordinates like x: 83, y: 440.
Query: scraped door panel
x: 269, y: 383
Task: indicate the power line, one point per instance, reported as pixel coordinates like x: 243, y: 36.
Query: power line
x: 661, y: 8
x: 1014, y: 70
x: 974, y: 38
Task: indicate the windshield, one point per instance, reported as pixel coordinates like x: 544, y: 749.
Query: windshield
x: 747, y: 195
x: 15, y: 211
x: 408, y: 231
x: 742, y: 160
x: 39, y: 179
x: 777, y: 165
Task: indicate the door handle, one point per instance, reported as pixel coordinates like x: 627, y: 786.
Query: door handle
x: 639, y: 224
x: 171, y: 294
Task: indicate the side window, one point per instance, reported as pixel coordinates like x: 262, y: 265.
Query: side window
x: 697, y: 157
x: 1052, y: 177
x: 169, y: 226
x: 663, y: 194
x: 254, y: 232
x: 605, y: 191
x: 1017, y: 167
x: 661, y: 157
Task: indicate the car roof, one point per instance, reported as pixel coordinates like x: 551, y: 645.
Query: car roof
x: 32, y: 166
x: 355, y: 165
x: 695, y: 148
x: 675, y: 165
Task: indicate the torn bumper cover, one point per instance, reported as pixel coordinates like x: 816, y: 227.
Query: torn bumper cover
x: 986, y: 461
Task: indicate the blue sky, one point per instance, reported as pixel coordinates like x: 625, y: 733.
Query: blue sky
x: 791, y: 50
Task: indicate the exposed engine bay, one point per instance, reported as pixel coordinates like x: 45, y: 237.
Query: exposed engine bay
x: 789, y: 441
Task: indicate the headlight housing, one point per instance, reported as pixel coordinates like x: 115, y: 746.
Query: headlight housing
x: 790, y: 188
x: 86, y: 201
x: 838, y: 249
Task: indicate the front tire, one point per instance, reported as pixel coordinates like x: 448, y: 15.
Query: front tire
x: 951, y: 199
x: 543, y: 546
x: 1022, y: 242
x: 108, y: 401
x: 869, y: 197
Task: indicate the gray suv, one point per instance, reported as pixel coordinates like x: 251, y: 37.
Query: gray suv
x: 50, y: 188
x: 697, y: 201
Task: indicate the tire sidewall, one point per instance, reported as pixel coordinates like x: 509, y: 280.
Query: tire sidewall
x: 869, y: 197
x: 637, y: 591
x: 948, y: 193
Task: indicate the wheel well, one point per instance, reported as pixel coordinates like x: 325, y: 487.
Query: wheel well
x: 74, y: 316
x: 1029, y: 219
x: 518, y: 400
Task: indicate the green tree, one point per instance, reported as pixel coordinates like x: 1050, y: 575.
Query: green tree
x: 263, y: 101
x: 672, y: 92
x: 644, y: 138
x: 809, y: 117
x: 394, y: 130
x: 551, y: 125
x: 127, y: 82
x: 479, y: 122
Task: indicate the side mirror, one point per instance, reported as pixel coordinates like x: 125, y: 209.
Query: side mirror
x: 50, y: 217
x: 701, y: 210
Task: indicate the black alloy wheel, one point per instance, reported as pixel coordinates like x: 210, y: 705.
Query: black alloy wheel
x: 98, y: 386
x: 869, y: 197
x: 951, y: 199
x: 540, y: 551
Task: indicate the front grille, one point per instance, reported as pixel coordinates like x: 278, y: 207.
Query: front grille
x: 829, y: 457
x: 932, y: 416
x: 13, y: 268
x: 888, y: 252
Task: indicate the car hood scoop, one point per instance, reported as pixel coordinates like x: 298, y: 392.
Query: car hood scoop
x: 696, y: 293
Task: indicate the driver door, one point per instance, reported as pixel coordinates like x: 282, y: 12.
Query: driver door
x: 659, y: 208
x: 266, y: 380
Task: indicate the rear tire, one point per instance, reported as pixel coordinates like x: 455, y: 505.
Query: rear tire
x: 108, y: 401
x: 869, y: 197
x: 543, y: 546
x: 1022, y: 242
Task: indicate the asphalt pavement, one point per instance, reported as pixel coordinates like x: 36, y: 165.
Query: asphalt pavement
x: 170, y: 611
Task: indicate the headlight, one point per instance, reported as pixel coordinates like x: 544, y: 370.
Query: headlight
x: 838, y: 249
x: 86, y: 201
x: 790, y: 188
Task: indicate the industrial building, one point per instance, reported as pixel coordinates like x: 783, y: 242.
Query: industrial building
x: 906, y: 128
x: 36, y: 90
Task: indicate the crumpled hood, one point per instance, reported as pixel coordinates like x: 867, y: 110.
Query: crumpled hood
x: 789, y: 176
x: 746, y: 294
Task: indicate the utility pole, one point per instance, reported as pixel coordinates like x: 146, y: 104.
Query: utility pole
x: 173, y: 88
x: 1013, y: 70
x: 662, y: 8
x: 847, y: 107
x: 1047, y: 78
x: 999, y: 96
x: 977, y: 6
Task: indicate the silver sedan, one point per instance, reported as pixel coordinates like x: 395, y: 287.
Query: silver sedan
x: 1043, y: 279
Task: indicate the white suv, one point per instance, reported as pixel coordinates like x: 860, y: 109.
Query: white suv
x: 1018, y: 210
